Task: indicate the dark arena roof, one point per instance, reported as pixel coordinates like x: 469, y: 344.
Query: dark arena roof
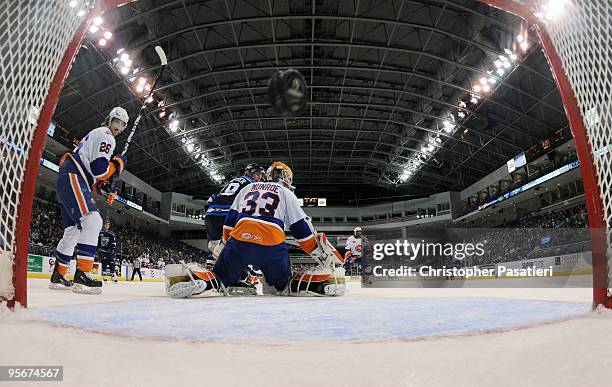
x: 406, y: 98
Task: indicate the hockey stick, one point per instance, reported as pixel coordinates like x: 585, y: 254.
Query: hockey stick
x: 164, y: 62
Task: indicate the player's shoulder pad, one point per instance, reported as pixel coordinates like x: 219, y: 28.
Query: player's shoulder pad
x: 105, y: 132
x: 289, y: 193
x: 241, y: 180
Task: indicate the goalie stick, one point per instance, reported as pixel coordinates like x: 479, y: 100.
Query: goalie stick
x: 164, y: 62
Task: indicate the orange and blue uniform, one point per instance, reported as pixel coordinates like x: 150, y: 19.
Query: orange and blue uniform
x: 79, y: 171
x: 254, y: 231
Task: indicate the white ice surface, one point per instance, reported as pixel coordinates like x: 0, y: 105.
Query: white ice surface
x: 574, y: 352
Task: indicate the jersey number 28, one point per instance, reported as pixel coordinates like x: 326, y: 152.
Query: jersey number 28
x: 104, y: 147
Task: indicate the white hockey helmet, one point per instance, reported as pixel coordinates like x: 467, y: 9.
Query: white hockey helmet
x: 357, y: 229
x: 120, y: 114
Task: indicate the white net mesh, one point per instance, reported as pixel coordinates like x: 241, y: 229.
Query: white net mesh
x: 34, y: 34
x: 581, y: 32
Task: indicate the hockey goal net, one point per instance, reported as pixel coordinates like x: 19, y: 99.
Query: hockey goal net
x: 41, y: 38
x: 576, y: 36
x: 39, y: 41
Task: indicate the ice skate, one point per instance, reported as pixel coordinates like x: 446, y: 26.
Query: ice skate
x: 242, y: 288
x: 59, y: 282
x: 85, y: 284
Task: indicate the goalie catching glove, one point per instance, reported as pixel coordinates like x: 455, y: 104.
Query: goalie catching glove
x: 325, y: 253
x: 287, y: 92
x: 185, y: 280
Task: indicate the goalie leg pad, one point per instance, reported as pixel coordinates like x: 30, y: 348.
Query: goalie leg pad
x: 192, y: 280
x: 320, y: 281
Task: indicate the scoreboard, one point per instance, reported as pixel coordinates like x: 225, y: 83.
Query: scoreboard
x: 313, y: 202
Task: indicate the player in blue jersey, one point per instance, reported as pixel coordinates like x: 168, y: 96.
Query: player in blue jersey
x: 107, y: 243
x: 219, y: 204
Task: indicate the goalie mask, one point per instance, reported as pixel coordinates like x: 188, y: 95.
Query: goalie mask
x: 281, y: 173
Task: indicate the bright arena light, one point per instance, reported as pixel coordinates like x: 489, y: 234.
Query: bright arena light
x: 448, y: 126
x: 108, y: 35
x: 74, y: 3
x: 93, y: 29
x: 102, y: 42
x: 98, y: 20
x: 552, y: 9
x: 125, y: 70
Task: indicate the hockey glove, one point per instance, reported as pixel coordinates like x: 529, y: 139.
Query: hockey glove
x: 105, y: 188
x: 120, y: 162
x: 216, y: 252
x: 325, y: 253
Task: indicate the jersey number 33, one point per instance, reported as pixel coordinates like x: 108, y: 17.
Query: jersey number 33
x: 260, y: 203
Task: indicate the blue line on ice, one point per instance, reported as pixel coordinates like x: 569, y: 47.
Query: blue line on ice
x: 282, y: 319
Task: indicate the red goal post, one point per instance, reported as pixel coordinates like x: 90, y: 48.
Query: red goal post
x: 40, y: 40
x: 576, y: 36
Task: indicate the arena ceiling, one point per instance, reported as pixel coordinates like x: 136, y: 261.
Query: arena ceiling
x: 382, y: 78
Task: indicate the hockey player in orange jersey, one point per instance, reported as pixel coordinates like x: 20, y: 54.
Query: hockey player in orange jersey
x: 254, y: 234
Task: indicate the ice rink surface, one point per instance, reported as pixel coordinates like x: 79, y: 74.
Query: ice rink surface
x: 133, y: 335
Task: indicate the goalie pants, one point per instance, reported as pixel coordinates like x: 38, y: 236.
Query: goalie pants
x: 273, y: 261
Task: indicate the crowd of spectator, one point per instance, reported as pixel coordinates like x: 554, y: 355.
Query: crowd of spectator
x: 152, y: 250
x: 532, y: 236
x: 45, y: 227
